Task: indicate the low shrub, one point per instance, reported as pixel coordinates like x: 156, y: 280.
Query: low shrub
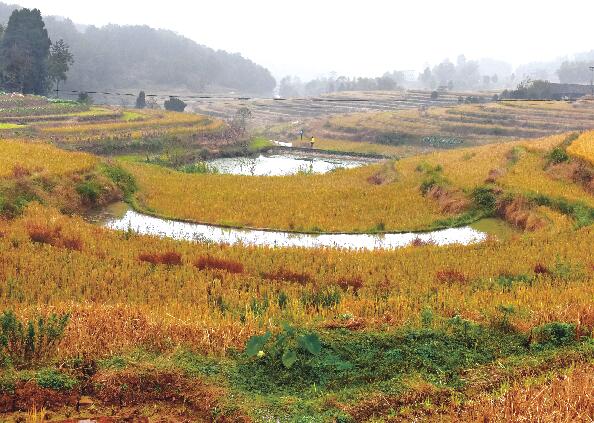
x: 376, y: 179
x: 451, y: 276
x: 89, y: 190
x: 42, y: 233
x: 72, y: 243
x: 124, y: 180
x: 286, y: 348
x: 484, y: 199
x: 24, y: 344
x: 434, y: 177
x: 175, y: 104
x: 45, y: 234
x: 354, y: 283
x: 199, y: 168
x: 437, y: 141
x: 557, y: 155
x: 554, y: 334
x: 507, y: 281
x: 541, y: 269
x: 418, y: 242
x: 19, y: 171
x: 169, y: 258
x: 209, y: 262
x: 321, y: 298
x: 289, y: 276
x: 54, y: 379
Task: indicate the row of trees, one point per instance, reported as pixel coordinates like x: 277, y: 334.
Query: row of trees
x: 173, y: 104
x: 29, y: 62
x: 463, y: 75
x: 576, y: 72
x: 117, y: 57
x: 293, y: 87
x: 545, y: 90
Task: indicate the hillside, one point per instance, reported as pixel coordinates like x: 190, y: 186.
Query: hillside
x: 140, y: 57
x: 97, y: 322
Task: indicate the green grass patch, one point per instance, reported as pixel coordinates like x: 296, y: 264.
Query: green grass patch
x: 11, y: 126
x: 54, y: 379
x: 123, y: 179
x: 463, y: 219
x: 129, y: 116
x: 199, y: 168
x: 259, y: 144
x: 582, y: 214
x: 358, y: 360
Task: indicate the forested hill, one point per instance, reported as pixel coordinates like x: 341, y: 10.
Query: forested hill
x: 139, y: 57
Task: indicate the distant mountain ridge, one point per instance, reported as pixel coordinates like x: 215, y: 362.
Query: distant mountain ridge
x: 140, y: 57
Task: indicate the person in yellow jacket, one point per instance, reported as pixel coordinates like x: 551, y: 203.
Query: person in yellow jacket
x: 312, y: 141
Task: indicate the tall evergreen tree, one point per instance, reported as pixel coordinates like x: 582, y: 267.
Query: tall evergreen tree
x: 24, y: 53
x: 141, y: 100
x: 59, y: 62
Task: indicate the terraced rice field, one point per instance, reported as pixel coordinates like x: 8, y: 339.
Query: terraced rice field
x: 472, y: 124
x: 96, y: 322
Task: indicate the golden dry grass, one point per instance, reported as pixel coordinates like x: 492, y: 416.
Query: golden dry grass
x: 528, y: 175
x: 348, y: 200
x: 38, y: 157
x: 109, y: 289
x: 473, y: 123
x: 583, y: 147
x: 566, y: 397
x: 343, y: 200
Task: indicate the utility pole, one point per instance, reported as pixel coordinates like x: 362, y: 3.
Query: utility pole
x: 592, y: 81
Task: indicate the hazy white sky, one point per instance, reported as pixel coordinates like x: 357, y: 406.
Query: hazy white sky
x: 366, y: 37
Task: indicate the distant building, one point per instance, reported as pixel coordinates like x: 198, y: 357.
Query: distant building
x: 409, y: 75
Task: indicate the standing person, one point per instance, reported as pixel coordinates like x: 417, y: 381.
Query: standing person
x: 301, y: 134
x: 312, y: 141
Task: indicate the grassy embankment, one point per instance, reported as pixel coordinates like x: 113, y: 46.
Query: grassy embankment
x: 513, y: 181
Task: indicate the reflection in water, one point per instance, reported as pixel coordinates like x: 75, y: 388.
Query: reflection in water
x: 205, y: 233
x: 278, y: 165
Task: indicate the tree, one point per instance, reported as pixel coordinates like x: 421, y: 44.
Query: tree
x: 24, y: 53
x: 141, y: 100
x: 290, y: 87
x: 123, y: 57
x: 575, y: 72
x: 174, y: 104
x: 445, y: 72
x: 243, y: 113
x: 152, y: 103
x: 84, y: 98
x: 60, y: 60
x: 240, y: 120
x: 386, y: 83
x: 426, y: 78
